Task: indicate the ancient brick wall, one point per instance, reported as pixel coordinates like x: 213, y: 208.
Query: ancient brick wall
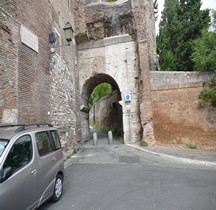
x: 177, y: 117
x: 9, y: 34
x: 31, y: 68
x: 35, y: 85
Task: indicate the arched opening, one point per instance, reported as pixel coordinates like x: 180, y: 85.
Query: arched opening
x: 107, y: 112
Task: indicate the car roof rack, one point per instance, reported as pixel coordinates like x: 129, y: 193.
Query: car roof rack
x: 22, y: 127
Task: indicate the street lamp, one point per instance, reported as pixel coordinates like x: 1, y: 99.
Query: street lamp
x: 68, y: 31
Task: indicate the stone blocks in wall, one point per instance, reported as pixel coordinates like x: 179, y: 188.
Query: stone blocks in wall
x: 10, y: 116
x: 62, y: 100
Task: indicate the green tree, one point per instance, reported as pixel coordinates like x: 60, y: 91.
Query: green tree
x: 214, y: 20
x: 168, y: 61
x: 99, y: 92
x: 204, y: 55
x: 182, y: 22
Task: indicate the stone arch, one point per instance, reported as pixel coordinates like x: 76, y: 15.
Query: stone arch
x: 113, y: 60
x: 95, y: 80
x: 87, y: 89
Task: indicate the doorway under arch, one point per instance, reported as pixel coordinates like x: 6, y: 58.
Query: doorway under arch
x: 108, y: 111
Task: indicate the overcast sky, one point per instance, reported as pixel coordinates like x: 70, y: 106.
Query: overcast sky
x: 211, y: 4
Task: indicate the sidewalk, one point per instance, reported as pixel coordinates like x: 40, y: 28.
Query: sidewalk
x: 193, y: 156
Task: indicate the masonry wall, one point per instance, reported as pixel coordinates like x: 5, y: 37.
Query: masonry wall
x: 64, y: 86
x: 30, y: 68
x: 9, y: 31
x: 112, y: 60
x: 35, y: 85
x: 100, y: 20
x: 144, y: 19
x: 177, y: 117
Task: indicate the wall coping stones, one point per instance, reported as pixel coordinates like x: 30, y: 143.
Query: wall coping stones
x: 177, y: 86
x: 164, y: 78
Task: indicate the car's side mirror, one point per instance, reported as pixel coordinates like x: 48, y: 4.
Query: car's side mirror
x: 5, y: 173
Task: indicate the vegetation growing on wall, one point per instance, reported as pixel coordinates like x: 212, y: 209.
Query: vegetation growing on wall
x: 99, y: 92
x: 143, y: 143
x: 208, y: 95
x: 99, y: 127
x: 115, y: 131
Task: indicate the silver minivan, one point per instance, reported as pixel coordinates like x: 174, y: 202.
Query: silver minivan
x: 31, y: 166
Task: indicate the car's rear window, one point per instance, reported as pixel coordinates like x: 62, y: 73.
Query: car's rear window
x: 3, y: 144
x: 44, y: 144
x: 56, y: 139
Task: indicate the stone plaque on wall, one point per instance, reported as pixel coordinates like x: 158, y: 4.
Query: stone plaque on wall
x: 9, y: 116
x: 28, y: 38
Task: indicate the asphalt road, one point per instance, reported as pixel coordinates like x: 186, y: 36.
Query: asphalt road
x: 117, y: 177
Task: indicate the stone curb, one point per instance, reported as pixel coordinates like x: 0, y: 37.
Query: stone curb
x: 184, y: 160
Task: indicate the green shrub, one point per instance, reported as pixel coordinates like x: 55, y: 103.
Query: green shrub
x: 207, y: 96
x: 99, y: 92
x: 100, y: 127
x: 192, y: 146
x: 122, y: 141
x: 168, y: 61
x: 68, y: 157
x: 75, y: 150
x: 116, y: 132
x: 143, y: 143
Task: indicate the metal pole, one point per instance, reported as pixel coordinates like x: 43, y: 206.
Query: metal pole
x: 129, y: 121
x: 94, y: 113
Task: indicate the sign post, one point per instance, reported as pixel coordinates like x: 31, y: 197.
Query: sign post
x: 128, y: 108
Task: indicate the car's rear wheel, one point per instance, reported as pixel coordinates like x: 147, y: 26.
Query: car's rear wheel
x: 58, y: 188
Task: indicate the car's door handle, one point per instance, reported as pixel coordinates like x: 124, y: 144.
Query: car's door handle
x: 54, y: 159
x: 34, y: 172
